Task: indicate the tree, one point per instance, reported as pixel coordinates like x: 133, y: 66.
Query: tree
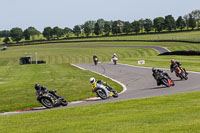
x: 5, y: 33
x: 141, y: 23
x: 192, y: 22
x: 186, y: 19
x: 16, y: 34
x: 47, y: 33
x: 30, y: 31
x: 196, y: 15
x: 77, y: 30
x: 88, y: 27
x: 159, y: 24
x: 170, y: 22
x: 101, y: 23
x: 127, y: 27
x: 136, y: 26
x: 115, y: 27
x: 107, y: 28
x: 58, y: 32
x: 67, y: 31
x: 96, y: 29
x: 6, y: 40
x: 180, y: 23
x: 148, y: 25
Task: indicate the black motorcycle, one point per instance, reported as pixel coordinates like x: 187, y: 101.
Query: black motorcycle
x: 164, y: 80
x: 50, y: 99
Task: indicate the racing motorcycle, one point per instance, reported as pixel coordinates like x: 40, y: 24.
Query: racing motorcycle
x: 165, y: 80
x: 180, y: 72
x: 50, y: 99
x: 95, y: 60
x: 104, y: 91
x: 115, y: 59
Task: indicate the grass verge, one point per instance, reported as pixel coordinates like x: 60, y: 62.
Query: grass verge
x: 175, y: 113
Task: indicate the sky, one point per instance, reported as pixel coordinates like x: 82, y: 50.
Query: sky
x: 68, y: 13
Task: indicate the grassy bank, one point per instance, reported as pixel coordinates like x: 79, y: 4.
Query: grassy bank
x: 176, y: 113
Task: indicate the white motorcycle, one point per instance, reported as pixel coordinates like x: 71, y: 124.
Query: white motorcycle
x: 115, y: 59
x: 104, y: 91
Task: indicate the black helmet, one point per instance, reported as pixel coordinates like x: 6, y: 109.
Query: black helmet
x: 154, y: 70
x: 37, y: 86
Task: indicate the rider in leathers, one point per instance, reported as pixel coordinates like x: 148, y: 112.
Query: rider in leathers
x: 175, y: 64
x: 42, y: 89
x: 156, y: 74
x: 100, y: 82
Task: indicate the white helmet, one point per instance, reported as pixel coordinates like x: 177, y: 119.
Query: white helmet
x: 92, y: 80
x: 114, y: 54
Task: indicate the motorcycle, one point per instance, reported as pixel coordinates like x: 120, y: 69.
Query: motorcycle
x: 95, y: 61
x: 104, y: 91
x: 115, y: 59
x: 165, y: 80
x: 180, y: 72
x: 51, y: 99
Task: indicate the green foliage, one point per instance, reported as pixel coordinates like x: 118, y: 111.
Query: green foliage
x: 116, y: 27
x: 77, y: 30
x: 180, y: 23
x: 107, y: 28
x: 16, y: 34
x: 127, y: 28
x: 170, y: 23
x: 6, y: 40
x: 148, y: 25
x: 58, y: 32
x: 48, y: 33
x: 191, y: 21
x: 159, y: 24
x: 30, y: 31
x: 97, y: 29
x: 136, y: 26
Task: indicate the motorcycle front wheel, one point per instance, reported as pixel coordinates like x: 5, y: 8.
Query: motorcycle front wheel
x: 102, y: 94
x: 63, y: 101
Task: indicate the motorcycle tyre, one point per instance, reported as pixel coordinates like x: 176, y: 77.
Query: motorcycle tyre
x: 165, y: 82
x: 51, y: 104
x: 100, y: 95
x: 63, y: 101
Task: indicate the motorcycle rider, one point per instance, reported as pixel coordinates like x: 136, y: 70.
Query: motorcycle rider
x: 156, y: 74
x: 100, y: 82
x: 42, y: 89
x: 175, y: 64
x: 114, y: 55
x: 94, y: 58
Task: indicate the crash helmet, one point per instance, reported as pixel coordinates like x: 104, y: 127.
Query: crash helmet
x: 154, y: 70
x: 37, y: 86
x: 172, y: 61
x: 114, y: 54
x: 92, y: 80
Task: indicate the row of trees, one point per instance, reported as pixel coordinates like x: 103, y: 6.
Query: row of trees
x: 102, y: 27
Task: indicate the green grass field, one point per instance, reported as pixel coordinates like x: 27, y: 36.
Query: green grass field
x: 175, y: 113
x: 167, y: 114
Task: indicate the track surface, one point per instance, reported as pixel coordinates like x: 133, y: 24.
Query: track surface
x: 140, y: 83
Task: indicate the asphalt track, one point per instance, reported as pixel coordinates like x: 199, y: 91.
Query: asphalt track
x: 139, y: 81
